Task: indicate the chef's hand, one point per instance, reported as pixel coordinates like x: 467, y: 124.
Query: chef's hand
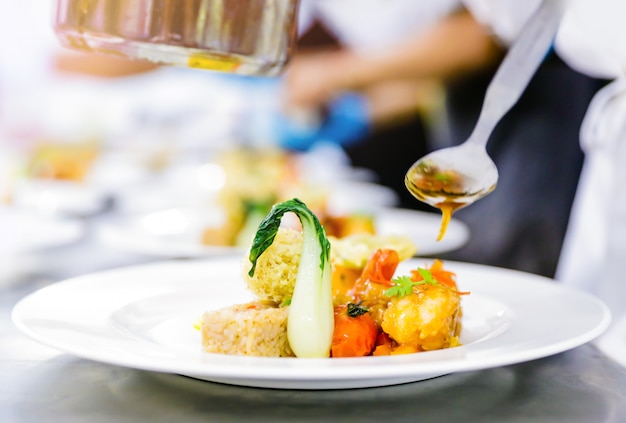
x: 343, y: 121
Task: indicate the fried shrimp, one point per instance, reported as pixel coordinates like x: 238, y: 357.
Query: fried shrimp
x: 426, y: 319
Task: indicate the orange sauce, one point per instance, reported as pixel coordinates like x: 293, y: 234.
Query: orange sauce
x: 447, y: 208
x: 441, y: 190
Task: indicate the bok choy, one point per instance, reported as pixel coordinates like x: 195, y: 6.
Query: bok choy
x: 310, y: 320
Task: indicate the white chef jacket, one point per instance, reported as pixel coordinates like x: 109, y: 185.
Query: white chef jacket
x: 375, y: 24
x: 591, y: 40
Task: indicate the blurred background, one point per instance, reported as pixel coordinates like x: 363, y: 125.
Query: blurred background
x: 161, y: 161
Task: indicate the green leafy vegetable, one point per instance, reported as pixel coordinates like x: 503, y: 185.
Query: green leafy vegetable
x: 403, y: 285
x: 310, y: 321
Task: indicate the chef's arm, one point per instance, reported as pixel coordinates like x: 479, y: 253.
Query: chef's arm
x: 454, y: 46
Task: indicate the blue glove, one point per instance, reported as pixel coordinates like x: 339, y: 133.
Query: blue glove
x: 346, y: 123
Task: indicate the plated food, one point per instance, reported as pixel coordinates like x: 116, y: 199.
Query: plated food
x: 314, y: 299
x: 143, y: 317
x: 62, y: 161
x: 54, y: 177
x: 256, y: 179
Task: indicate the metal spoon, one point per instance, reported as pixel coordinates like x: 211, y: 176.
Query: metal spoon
x: 457, y: 176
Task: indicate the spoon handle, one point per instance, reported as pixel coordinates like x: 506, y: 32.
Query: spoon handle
x: 518, y: 67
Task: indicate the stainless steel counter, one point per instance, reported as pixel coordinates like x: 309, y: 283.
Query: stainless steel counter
x: 39, y: 384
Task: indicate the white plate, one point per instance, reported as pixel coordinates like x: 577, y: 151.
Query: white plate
x: 143, y: 317
x: 353, y: 196
x: 25, y: 231
x: 177, y: 232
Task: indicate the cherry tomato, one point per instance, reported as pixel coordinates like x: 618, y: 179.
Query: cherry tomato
x: 355, y: 332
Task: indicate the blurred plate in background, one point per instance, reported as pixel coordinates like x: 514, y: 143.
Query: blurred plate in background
x: 423, y: 229
x: 63, y: 198
x: 177, y: 232
x: 354, y: 196
x: 174, y: 233
x: 25, y: 231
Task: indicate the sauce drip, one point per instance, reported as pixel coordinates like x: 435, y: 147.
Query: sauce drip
x: 447, y: 208
x: 443, y: 189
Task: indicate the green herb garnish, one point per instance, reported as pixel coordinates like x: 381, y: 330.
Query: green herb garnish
x: 403, y: 285
x: 427, y: 276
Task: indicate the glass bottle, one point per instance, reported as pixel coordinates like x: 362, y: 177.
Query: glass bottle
x: 248, y: 37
